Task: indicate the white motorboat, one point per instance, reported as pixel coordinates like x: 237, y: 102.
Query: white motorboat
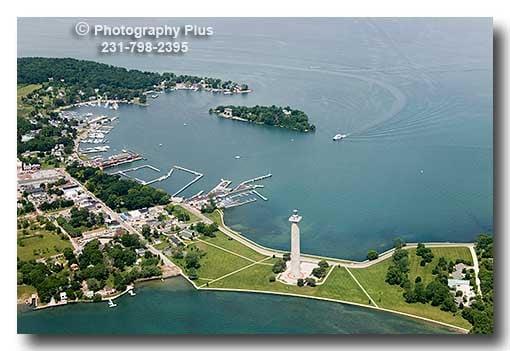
x: 339, y: 137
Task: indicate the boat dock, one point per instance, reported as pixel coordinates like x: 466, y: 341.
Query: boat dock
x: 116, y: 160
x: 94, y: 149
x: 188, y: 170
x: 256, y: 179
x: 141, y: 181
x: 196, y: 195
x: 160, y: 179
x: 259, y: 195
x: 198, y: 176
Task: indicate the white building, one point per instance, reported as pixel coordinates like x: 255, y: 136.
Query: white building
x: 295, y: 251
x: 227, y: 112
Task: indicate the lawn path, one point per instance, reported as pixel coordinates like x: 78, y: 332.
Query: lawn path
x: 226, y: 250
x: 236, y: 271
x: 361, y: 286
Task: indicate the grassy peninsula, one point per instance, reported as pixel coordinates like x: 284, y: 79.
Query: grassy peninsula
x: 283, y: 117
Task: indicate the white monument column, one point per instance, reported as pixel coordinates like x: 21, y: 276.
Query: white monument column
x: 295, y: 253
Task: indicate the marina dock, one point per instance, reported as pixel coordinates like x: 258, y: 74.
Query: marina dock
x: 198, y: 176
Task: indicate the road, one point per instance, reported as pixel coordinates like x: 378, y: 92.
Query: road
x: 124, y: 224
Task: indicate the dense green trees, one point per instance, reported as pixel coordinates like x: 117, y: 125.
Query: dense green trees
x: 46, y: 281
x: 121, y: 257
x: 279, y: 266
x: 80, y: 78
x: 80, y: 220
x: 97, y: 263
x: 24, y: 207
x: 271, y: 115
x: 372, y: 255
x: 481, y: 312
x: 425, y: 253
x: 321, y: 271
x: 56, y: 205
x: 131, y: 241
x: 397, y: 271
x: 118, y: 193
x: 206, y: 229
x: 178, y: 212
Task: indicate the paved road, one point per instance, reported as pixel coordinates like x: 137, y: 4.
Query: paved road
x: 114, y: 215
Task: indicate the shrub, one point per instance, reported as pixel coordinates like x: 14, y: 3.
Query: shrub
x: 372, y: 255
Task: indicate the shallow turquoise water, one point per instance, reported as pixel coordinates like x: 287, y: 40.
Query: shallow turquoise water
x: 416, y: 96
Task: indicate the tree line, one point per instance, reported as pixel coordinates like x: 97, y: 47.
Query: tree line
x: 284, y: 117
x: 117, y: 193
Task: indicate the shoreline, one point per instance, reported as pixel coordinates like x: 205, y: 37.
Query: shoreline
x: 335, y: 261
x: 103, y: 299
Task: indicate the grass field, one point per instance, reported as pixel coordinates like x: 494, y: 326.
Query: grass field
x: 214, y: 216
x: 162, y: 245
x: 450, y: 253
x: 230, y: 244
x: 339, y: 284
x: 33, y: 246
x: 215, y: 263
x: 390, y: 296
x: 25, y: 291
x: 192, y: 217
x: 23, y: 90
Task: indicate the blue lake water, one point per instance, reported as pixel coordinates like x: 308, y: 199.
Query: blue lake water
x: 174, y: 307
x: 415, y: 95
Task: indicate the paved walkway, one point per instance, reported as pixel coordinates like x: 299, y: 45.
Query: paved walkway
x: 236, y: 271
x: 476, y: 268
x: 361, y: 286
x: 312, y: 258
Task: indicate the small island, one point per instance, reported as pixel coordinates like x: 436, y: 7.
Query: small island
x: 283, y: 117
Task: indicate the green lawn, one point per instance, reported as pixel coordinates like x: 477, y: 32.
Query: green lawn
x: 25, y: 291
x: 230, y: 244
x: 23, y: 90
x: 192, y: 217
x: 215, y: 216
x: 33, y: 246
x: 216, y: 262
x: 450, y: 253
x: 390, y: 296
x: 162, y: 245
x: 339, y: 285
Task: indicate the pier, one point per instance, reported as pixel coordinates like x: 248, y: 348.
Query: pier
x: 235, y: 204
x: 188, y: 170
x: 116, y: 160
x: 196, y: 195
x: 256, y: 179
x: 259, y: 195
x: 197, y: 175
x: 141, y: 181
x: 160, y: 179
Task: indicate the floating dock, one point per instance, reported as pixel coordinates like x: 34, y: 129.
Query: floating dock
x: 259, y: 195
x: 256, y: 179
x: 141, y: 181
x: 198, y: 176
